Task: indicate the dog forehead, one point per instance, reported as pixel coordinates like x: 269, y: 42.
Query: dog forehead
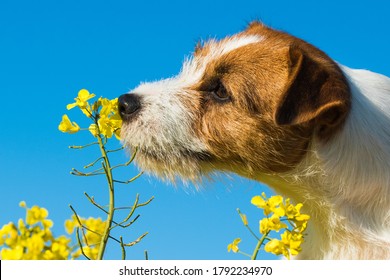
x: 214, y: 49
x: 195, y: 66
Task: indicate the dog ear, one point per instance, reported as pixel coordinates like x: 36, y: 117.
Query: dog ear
x: 316, y: 91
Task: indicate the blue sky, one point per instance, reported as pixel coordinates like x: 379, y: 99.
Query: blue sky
x: 49, y: 50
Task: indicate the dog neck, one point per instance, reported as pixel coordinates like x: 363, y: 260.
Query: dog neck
x: 345, y: 183
x: 354, y: 166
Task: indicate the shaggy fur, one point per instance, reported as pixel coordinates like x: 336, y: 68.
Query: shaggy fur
x: 273, y: 108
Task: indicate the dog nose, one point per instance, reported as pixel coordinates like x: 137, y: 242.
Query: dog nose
x: 128, y: 105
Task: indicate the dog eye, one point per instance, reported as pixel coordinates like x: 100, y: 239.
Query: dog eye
x: 220, y: 93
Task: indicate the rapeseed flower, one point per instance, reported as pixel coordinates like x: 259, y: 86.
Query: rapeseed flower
x: 276, y: 247
x: 271, y: 205
x: 33, y: 239
x: 289, y: 244
x: 35, y: 214
x: 271, y: 224
x: 67, y: 126
x: 109, y: 121
x: 234, y: 245
x: 281, y: 215
x: 82, y: 102
x: 103, y: 112
x: 91, y: 238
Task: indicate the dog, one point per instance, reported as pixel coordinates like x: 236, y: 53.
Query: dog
x: 273, y: 108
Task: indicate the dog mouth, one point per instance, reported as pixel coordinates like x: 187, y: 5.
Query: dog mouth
x: 184, y: 164
x: 178, y: 155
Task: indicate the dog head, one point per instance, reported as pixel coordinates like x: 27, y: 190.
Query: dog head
x: 249, y: 103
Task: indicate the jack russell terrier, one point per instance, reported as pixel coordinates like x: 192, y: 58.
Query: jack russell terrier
x: 273, y: 108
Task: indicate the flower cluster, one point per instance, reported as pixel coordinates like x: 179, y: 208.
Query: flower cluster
x: 92, y: 231
x: 280, y: 215
x: 103, y: 112
x: 32, y: 239
x: 93, y: 234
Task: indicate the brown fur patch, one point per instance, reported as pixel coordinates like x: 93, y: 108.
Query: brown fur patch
x: 282, y: 91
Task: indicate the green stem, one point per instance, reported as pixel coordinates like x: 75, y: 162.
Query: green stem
x: 251, y: 231
x: 258, y: 245
x: 111, y: 206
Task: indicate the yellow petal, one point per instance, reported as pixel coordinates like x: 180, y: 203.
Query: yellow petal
x: 264, y: 226
x: 258, y: 201
x: 84, y: 95
x: 47, y: 223
x: 275, y: 201
x: 43, y: 213
x: 71, y: 106
x: 93, y: 129
x: 69, y: 226
x: 274, y: 246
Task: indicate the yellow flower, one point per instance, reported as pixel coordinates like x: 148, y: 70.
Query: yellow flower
x: 300, y: 222
x: 81, y: 100
x: 91, y: 237
x: 15, y: 253
x: 293, y: 213
x: 60, y: 248
x: 35, y: 245
x: 9, y: 234
x: 234, y: 246
x: 22, y: 227
x: 91, y: 252
x: 109, y: 121
x: 46, y: 232
x: 22, y: 204
x: 76, y: 254
x: 70, y: 225
x: 116, y: 125
x: 259, y: 201
x: 291, y: 210
x: 97, y: 104
x: 47, y: 223
x: 105, y: 126
x: 35, y: 214
x: 67, y: 126
x: 97, y: 226
x: 32, y: 239
x: 106, y: 107
x: 272, y: 223
x: 116, y: 121
x: 271, y: 205
x: 290, y: 244
x: 276, y: 247
x: 293, y: 241
x: 114, y: 104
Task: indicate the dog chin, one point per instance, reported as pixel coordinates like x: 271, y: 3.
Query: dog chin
x: 187, y: 166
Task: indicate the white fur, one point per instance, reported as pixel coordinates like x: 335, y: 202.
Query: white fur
x: 346, y: 182
x: 163, y: 129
